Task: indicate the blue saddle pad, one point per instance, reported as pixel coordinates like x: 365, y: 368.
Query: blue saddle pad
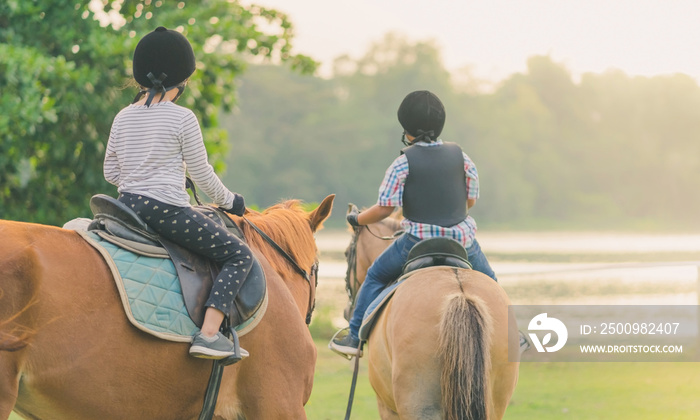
x: 149, y: 289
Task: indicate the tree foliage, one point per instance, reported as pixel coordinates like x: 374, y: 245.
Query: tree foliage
x: 63, y: 76
x: 604, y: 151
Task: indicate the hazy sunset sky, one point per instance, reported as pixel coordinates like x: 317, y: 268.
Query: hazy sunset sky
x: 495, y: 37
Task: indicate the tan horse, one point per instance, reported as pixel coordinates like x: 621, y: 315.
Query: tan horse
x: 67, y: 350
x: 439, y: 349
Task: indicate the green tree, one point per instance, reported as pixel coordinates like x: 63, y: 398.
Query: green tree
x: 62, y: 76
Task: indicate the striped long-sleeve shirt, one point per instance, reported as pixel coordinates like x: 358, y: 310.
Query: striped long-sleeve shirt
x: 151, y: 148
x: 391, y: 194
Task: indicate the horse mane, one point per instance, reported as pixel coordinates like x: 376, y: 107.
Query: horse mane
x: 287, y: 224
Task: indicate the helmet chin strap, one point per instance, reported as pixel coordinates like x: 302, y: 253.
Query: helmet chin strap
x: 404, y: 140
x: 180, y: 88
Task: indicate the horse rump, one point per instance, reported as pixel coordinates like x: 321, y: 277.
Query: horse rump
x: 464, y: 353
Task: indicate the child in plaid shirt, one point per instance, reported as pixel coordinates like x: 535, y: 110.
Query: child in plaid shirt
x: 435, y: 195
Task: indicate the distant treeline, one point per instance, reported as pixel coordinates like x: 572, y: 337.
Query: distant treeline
x: 604, y: 152
x: 608, y: 151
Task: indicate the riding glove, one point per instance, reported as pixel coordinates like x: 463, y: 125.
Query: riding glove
x: 238, y: 207
x: 352, y: 215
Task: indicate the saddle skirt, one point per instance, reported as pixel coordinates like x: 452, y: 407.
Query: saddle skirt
x: 425, y: 254
x: 163, y: 286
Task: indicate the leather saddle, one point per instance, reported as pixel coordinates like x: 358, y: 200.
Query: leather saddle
x: 117, y: 223
x: 426, y: 253
x: 436, y: 251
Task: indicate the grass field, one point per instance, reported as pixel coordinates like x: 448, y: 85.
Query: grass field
x: 571, y: 391
x: 575, y: 391
x: 607, y: 391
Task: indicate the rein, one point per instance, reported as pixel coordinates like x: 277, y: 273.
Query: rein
x: 294, y: 264
x: 383, y: 238
x: 314, y: 269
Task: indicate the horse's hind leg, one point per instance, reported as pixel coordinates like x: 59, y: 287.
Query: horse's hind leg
x: 416, y: 389
x: 9, y: 383
x: 385, y: 412
x: 418, y: 404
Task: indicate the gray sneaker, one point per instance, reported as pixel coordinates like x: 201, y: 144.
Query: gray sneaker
x: 220, y: 348
x: 347, y: 346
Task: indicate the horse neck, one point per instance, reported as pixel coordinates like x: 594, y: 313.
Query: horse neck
x: 287, y: 225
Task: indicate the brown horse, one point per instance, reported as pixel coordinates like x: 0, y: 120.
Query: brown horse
x: 67, y: 350
x: 439, y: 349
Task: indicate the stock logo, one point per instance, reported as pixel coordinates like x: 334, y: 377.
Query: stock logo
x: 542, y: 323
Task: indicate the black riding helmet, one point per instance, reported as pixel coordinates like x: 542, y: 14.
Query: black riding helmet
x: 163, y: 60
x: 422, y: 115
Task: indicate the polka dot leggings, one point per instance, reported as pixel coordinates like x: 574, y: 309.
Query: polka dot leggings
x: 196, y: 230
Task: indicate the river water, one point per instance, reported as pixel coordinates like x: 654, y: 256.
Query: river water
x: 565, y: 267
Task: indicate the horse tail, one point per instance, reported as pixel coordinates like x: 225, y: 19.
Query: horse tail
x: 465, y: 356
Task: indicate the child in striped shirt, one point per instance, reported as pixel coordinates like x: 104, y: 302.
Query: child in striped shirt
x: 152, y: 143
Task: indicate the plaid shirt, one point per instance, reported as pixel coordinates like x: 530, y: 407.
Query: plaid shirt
x: 391, y: 194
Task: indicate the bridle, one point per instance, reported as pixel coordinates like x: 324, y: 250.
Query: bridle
x: 352, y: 284
x: 313, y: 271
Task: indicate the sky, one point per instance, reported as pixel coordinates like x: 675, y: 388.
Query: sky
x: 494, y: 38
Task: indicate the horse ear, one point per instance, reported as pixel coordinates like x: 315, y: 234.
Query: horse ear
x: 321, y: 213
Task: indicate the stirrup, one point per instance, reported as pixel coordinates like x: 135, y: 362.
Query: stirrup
x: 347, y: 356
x: 236, y: 356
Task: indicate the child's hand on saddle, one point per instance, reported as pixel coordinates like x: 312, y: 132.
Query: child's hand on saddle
x: 238, y: 207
